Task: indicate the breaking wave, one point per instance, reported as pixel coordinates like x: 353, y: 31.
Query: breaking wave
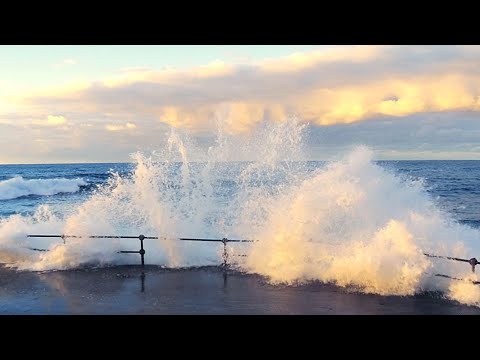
x: 18, y: 187
x: 351, y: 222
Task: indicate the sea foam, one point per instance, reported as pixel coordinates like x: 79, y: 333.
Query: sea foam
x: 18, y: 186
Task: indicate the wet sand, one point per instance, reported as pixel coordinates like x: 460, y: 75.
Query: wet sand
x: 124, y: 290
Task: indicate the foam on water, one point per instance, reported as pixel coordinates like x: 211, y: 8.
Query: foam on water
x: 351, y: 222
x: 18, y: 187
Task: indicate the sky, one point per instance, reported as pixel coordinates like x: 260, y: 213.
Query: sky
x: 61, y: 104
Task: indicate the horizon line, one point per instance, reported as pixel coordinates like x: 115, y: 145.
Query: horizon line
x: 132, y: 162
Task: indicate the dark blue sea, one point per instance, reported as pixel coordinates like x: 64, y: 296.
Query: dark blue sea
x: 24, y: 187
x: 453, y: 185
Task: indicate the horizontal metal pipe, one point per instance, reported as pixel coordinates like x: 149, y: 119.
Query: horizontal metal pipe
x: 91, y: 236
x: 37, y: 249
x: 447, y: 257
x: 454, y: 278
x: 45, y: 236
x: 215, y: 240
x: 224, y: 240
x: 135, y: 237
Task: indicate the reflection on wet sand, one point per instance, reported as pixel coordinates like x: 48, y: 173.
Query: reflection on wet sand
x: 207, y: 290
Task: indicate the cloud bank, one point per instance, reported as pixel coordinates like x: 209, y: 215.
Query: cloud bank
x: 325, y: 87
x: 410, y: 95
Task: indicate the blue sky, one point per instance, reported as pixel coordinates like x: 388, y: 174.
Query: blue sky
x: 95, y: 103
x: 23, y: 66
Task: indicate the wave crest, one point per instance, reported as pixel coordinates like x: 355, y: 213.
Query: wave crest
x: 18, y: 187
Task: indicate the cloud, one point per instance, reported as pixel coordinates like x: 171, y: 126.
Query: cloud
x: 403, y: 101
x: 69, y: 62
x: 418, y: 136
x: 324, y: 87
x: 50, y: 120
x: 43, y: 144
x: 127, y: 126
x: 53, y: 120
x: 135, y: 69
x: 303, y: 61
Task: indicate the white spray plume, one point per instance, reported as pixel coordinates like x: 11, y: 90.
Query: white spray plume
x: 350, y: 222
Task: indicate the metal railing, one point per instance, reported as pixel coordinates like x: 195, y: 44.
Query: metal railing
x: 142, y: 251
x: 473, y: 261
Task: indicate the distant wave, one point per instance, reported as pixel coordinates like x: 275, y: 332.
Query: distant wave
x: 18, y: 187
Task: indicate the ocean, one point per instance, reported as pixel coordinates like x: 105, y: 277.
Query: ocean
x: 357, y: 224
x: 454, y: 185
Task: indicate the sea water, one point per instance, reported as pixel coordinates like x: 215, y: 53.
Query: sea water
x: 354, y: 222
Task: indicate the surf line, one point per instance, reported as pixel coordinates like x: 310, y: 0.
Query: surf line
x: 142, y: 251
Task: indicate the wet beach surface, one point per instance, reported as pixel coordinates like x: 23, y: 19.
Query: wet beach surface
x: 207, y: 290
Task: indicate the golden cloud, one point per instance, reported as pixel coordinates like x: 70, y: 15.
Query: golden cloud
x: 127, y: 126
x: 53, y: 120
x: 303, y: 61
x: 325, y: 87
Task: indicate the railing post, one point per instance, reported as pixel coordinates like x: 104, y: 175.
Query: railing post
x: 473, y: 262
x: 142, y: 250
x: 225, y: 252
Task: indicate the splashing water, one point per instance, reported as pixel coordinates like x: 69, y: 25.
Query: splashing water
x: 351, y: 222
x: 18, y: 187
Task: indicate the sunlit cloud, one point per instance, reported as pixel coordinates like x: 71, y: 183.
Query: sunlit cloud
x: 325, y: 87
x: 354, y: 93
x: 302, y: 61
x: 51, y: 120
x: 127, y: 126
